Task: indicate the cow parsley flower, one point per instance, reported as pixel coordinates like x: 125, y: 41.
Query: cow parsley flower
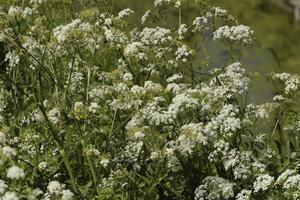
x: 292, y: 182
x: 3, y: 186
x: 200, y: 23
x: 67, y: 195
x: 61, y: 32
x: 13, y: 59
x: 15, y: 172
x: 54, y: 115
x: 158, y: 3
x: 133, y: 49
x: 291, y: 82
x: 139, y: 135
x: 145, y: 16
x: 263, y: 182
x: 216, y: 12
x: 124, y: 13
x: 284, y: 175
x: 42, y: 165
x: 183, y: 53
x: 8, y: 151
x: 238, y: 34
x: 104, y: 162
x: 54, y: 187
x: 18, y: 12
x: 155, y: 36
x: 174, y: 78
x: 244, y: 195
x: 10, y: 196
x: 214, y: 188
x: 2, y: 137
x: 182, y: 30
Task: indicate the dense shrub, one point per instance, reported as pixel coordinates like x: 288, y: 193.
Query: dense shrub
x: 95, y: 107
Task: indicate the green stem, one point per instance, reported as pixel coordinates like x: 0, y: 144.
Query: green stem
x: 70, y: 171
x: 91, y: 167
x: 90, y: 163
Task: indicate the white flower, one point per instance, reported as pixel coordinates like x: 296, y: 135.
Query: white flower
x: 199, y: 23
x: 194, y: 132
x: 124, y: 13
x: 133, y: 49
x: 173, y: 87
x: 93, y: 152
x: 155, y: 36
x: 37, y: 2
x: 27, y: 11
x: 133, y: 150
x: 177, y: 4
x: 184, y: 145
x: 145, y: 16
x: 108, y: 22
x: 282, y: 76
x: 127, y: 77
x: 182, y: 30
x: 278, y: 98
x: 78, y: 106
x: 291, y: 82
x: 8, y: 151
x: 104, y: 162
x: 158, y: 3
x: 15, y: 11
x: 216, y: 12
x: 292, y: 182
x: 10, y: 196
x: 13, y: 58
x: 244, y: 195
x: 63, y: 32
x: 180, y: 103
x: 284, y: 175
x: 3, y: 186
x: 67, y: 195
x: 137, y: 90
x: 292, y: 85
x: 215, y: 188
x: 241, y: 33
x: 42, y: 165
x: 183, y: 53
x: 263, y: 182
x: 93, y: 107
x: 36, y: 193
x: 139, y: 135
x: 54, y: 187
x: 2, y: 137
x: 154, y: 155
x: 15, y: 172
x: 233, y: 81
x: 54, y: 115
x: 175, y: 77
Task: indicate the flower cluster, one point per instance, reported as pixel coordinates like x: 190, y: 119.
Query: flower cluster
x: 235, y: 34
x: 93, y: 106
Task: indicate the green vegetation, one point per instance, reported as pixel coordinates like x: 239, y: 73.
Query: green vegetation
x: 101, y: 102
x: 274, y: 29
x: 277, y: 35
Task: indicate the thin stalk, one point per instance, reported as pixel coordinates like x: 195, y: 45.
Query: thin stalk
x: 69, y: 169
x: 113, y: 122
x: 88, y: 84
x: 90, y: 163
x: 91, y: 166
x: 179, y: 16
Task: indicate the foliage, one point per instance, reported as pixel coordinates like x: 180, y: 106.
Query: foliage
x: 94, y: 107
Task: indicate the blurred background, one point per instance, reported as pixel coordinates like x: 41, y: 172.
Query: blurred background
x: 277, y: 33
